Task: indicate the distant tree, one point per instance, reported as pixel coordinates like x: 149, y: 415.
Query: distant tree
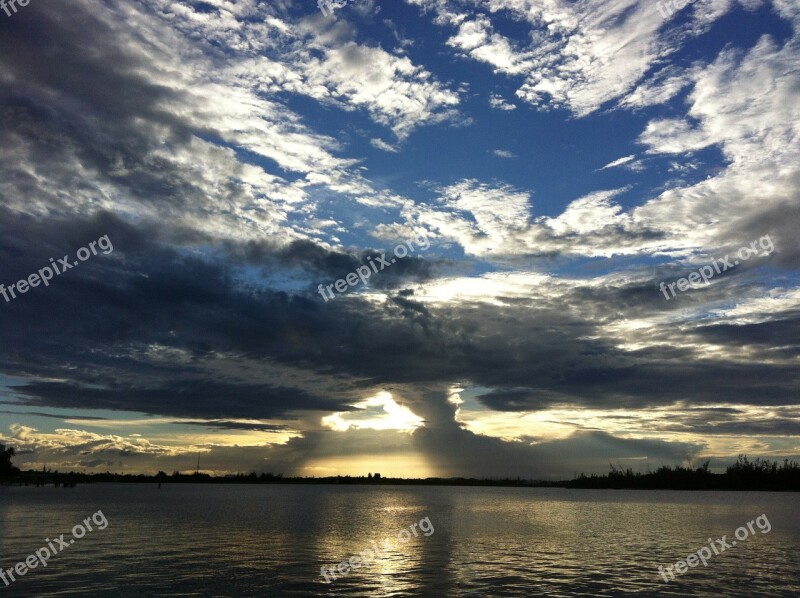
x: 7, y: 470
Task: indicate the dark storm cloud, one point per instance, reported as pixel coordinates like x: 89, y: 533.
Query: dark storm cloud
x: 86, y: 418
x: 778, y: 421
x: 404, y: 269
x: 776, y: 427
x: 410, y: 307
x: 234, y: 425
x: 652, y: 383
x: 457, y: 452
x: 77, y: 89
x: 41, y: 47
x: 518, y: 399
x: 330, y: 265
x: 309, y: 255
x: 200, y: 397
x: 781, y: 336
x: 99, y: 318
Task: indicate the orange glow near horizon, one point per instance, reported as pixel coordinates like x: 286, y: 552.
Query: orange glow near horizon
x: 399, y: 465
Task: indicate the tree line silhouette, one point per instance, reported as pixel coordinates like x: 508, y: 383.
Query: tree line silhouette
x: 760, y: 474
x: 745, y: 474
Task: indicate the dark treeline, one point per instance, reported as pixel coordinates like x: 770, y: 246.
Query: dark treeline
x: 742, y: 475
x: 43, y: 478
x: 7, y: 469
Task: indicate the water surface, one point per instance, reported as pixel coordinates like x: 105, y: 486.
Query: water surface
x: 271, y: 540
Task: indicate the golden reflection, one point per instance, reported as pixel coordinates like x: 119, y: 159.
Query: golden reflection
x: 382, y: 534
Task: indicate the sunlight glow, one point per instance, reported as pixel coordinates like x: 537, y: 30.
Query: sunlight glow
x: 380, y: 412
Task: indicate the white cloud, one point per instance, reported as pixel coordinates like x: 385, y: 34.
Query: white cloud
x: 588, y: 214
x: 578, y: 55
x: 383, y: 146
x: 658, y: 89
x: 477, y: 39
x: 747, y: 105
x: 481, y: 218
x: 499, y: 103
x: 396, y: 93
x: 380, y: 412
x: 620, y: 162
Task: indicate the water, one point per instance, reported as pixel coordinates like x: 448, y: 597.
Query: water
x: 211, y: 540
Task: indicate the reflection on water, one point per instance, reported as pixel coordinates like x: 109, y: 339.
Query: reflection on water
x: 188, y: 540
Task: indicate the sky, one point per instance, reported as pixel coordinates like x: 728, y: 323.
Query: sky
x: 575, y: 224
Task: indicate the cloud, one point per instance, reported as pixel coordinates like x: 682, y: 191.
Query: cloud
x: 579, y: 56
x: 496, y: 222
x: 588, y: 214
x: 253, y: 425
x: 396, y: 93
x: 380, y: 412
x: 504, y: 154
x: 477, y: 39
x: 178, y: 134
x: 479, y: 216
x: 499, y: 103
x: 625, y: 160
x: 382, y: 145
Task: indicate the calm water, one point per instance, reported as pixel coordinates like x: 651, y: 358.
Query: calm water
x: 186, y: 540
